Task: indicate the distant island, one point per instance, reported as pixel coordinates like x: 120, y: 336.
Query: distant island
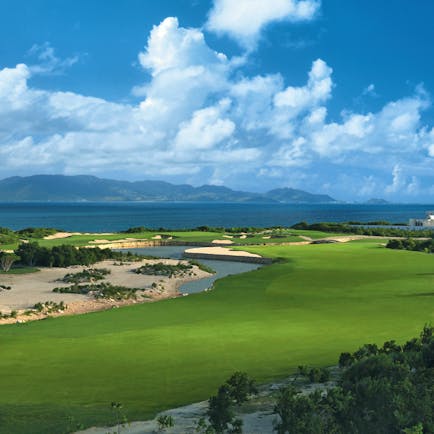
x: 83, y: 188
x: 377, y: 201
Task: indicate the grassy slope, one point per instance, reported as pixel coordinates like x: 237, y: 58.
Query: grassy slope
x: 325, y: 299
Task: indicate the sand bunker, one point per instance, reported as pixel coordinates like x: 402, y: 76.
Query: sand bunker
x: 221, y: 251
x: 32, y: 288
x: 222, y: 242
x: 60, y: 235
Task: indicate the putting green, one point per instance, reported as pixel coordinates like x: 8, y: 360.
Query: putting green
x: 319, y: 301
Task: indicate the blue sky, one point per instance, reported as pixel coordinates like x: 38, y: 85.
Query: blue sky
x: 332, y: 97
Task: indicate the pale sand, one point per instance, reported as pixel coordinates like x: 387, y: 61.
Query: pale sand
x: 156, y: 237
x: 59, y: 235
x: 243, y: 237
x: 227, y: 236
x: 221, y: 251
x: 29, y: 289
x: 266, y: 238
x: 222, y: 242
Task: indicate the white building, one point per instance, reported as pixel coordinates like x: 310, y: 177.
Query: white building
x: 428, y: 222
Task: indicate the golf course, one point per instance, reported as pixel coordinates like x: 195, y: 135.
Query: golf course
x: 314, y: 302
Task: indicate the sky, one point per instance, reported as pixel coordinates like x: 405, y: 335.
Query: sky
x: 327, y: 96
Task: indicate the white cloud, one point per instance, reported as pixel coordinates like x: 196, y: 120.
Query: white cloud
x: 244, y: 20
x: 202, y: 116
x: 205, y: 130
x: 49, y: 63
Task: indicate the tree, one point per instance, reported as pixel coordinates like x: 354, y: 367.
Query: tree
x: 296, y: 413
x: 7, y: 259
x: 220, y: 412
x: 241, y: 387
x: 28, y: 253
x: 165, y: 421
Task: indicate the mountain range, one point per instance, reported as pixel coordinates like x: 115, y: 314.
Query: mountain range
x: 62, y: 188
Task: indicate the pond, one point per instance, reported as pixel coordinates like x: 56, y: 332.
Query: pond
x: 222, y: 268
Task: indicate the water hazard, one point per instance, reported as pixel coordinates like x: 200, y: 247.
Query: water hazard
x: 222, y: 268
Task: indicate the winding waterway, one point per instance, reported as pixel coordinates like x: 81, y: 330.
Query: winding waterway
x: 222, y: 268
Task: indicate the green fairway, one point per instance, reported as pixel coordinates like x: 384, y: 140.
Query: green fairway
x: 284, y: 236
x: 321, y: 300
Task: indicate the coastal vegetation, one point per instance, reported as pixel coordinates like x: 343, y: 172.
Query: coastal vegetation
x: 387, y: 389
x: 169, y: 270
x: 426, y: 246
x: 359, y: 228
x: 87, y: 275
x: 32, y: 254
x: 103, y: 290
x: 305, y: 309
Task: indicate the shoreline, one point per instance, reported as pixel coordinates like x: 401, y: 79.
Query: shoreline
x: 29, y: 289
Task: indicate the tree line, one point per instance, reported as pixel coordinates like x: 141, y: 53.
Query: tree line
x: 426, y: 246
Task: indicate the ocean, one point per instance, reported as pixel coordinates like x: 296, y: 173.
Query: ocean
x: 117, y: 216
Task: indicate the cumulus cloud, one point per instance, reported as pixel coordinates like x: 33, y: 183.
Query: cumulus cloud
x: 201, y: 116
x: 244, y: 20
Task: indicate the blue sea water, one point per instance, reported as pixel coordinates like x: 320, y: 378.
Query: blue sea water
x: 116, y: 216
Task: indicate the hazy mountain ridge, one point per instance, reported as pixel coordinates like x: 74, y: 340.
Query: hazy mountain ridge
x: 81, y: 188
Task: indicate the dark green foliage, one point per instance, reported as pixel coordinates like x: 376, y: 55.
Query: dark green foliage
x: 345, y: 359
x: 101, y: 290
x: 135, y: 230
x: 165, y: 421
x: 7, y: 259
x: 220, y: 410
x: 161, y: 269
x: 50, y: 306
x: 240, y: 387
x: 29, y: 233
x: 315, y: 375
x: 66, y: 255
x: 426, y: 246
x: 89, y: 275
x: 358, y: 229
x: 235, y: 391
x: 296, y: 413
x: 387, y: 390
x: 12, y: 314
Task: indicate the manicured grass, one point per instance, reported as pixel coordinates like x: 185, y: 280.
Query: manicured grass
x: 288, y: 235
x: 322, y: 300
x: 21, y: 270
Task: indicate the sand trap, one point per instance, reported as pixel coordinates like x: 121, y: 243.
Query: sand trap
x: 266, y: 238
x: 227, y: 236
x: 222, y: 242
x: 221, y: 251
x: 243, y: 237
x: 29, y: 289
x: 99, y: 242
x: 156, y: 237
x: 59, y: 235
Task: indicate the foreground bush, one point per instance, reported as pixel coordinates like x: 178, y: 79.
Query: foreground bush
x: 387, y: 390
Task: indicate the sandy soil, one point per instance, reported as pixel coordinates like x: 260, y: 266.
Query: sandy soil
x: 29, y: 289
x: 60, y: 235
x: 222, y: 242
x: 221, y: 251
